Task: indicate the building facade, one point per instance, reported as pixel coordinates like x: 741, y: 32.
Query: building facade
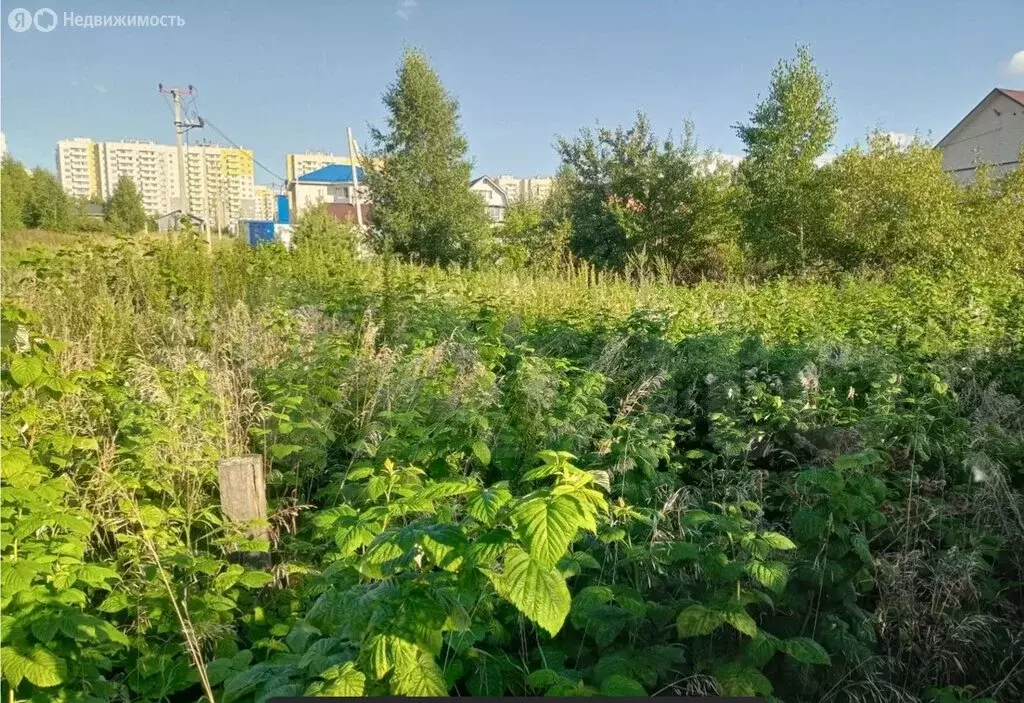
x: 494, y: 197
x: 330, y: 185
x: 265, y: 202
x: 992, y: 133
x: 296, y: 165
x: 78, y: 167
x: 221, y: 188
x: 219, y: 179
x: 537, y: 188
x: 152, y: 167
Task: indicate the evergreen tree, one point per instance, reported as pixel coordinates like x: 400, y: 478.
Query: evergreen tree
x: 786, y: 135
x: 125, y: 211
x: 15, y: 188
x: 422, y: 206
x: 48, y: 206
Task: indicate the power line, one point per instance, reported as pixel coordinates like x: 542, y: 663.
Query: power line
x: 232, y: 143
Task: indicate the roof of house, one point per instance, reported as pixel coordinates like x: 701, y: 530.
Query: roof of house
x: 491, y: 183
x: 335, y: 173
x: 1015, y: 95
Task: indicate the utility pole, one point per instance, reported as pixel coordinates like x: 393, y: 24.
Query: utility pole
x: 355, y: 179
x: 180, y: 127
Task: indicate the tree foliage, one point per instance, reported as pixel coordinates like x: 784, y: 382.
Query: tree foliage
x: 785, y: 136
x: 633, y: 193
x: 423, y: 208
x: 125, y: 211
x: 15, y: 189
x: 48, y: 206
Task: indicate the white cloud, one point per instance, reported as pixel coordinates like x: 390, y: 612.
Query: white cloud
x: 405, y: 7
x: 900, y: 139
x: 1016, y: 63
x: 100, y: 88
x: 825, y: 159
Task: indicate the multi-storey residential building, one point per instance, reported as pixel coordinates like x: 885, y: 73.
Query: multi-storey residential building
x: 219, y: 179
x: 220, y: 183
x: 265, y: 197
x: 78, y: 167
x: 536, y: 188
x: 152, y: 167
x: 296, y: 165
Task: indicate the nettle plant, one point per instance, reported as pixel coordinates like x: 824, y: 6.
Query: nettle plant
x: 425, y: 577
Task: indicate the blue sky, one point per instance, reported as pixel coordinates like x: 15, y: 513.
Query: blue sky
x: 281, y: 77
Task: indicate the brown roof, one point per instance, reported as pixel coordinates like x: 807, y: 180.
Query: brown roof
x: 1017, y: 95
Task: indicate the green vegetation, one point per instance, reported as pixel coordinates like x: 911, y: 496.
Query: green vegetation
x: 531, y: 473
x: 125, y: 212
x: 422, y: 209
x: 507, y: 482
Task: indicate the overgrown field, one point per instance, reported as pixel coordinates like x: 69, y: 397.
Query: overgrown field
x: 492, y: 482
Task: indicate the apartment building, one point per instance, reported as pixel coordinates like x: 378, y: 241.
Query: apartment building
x: 296, y: 165
x: 265, y: 202
x: 219, y: 179
x: 152, y: 167
x: 537, y: 188
x: 220, y: 183
x: 78, y: 167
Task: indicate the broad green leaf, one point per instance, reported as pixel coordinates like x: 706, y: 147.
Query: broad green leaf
x: 538, y: 591
x: 696, y: 620
x: 542, y: 679
x: 40, y: 667
x: 114, y: 603
x: 547, y: 525
x: 345, y: 680
x: 416, y: 673
x: 737, y: 680
x: 805, y: 650
x: 736, y: 616
x: 771, y: 574
x: 621, y: 686
x: 482, y: 452
x: 255, y: 579
x: 485, y: 505
x: 860, y: 546
x: 26, y: 369
x: 778, y: 541
x: 379, y: 654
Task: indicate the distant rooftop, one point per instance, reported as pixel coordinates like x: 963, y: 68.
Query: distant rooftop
x: 335, y: 173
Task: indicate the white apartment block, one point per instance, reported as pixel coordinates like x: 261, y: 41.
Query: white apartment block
x: 219, y: 179
x: 220, y: 184
x: 152, y: 167
x: 537, y: 188
x: 296, y: 165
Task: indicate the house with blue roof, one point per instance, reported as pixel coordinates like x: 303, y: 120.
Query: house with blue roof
x: 333, y: 185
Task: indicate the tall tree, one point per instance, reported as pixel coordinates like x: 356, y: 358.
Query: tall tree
x: 15, y: 188
x: 125, y: 211
x: 48, y: 206
x: 786, y: 135
x: 422, y: 205
x: 634, y: 193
